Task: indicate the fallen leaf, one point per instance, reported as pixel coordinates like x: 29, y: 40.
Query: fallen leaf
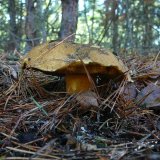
x: 129, y: 92
x: 149, y: 96
x: 87, y: 99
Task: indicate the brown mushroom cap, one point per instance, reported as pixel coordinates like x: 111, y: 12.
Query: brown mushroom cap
x: 74, y: 61
x: 66, y: 57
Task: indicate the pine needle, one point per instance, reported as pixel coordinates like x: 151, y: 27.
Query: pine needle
x: 39, y: 106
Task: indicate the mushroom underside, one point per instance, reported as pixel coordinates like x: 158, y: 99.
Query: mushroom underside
x: 80, y: 78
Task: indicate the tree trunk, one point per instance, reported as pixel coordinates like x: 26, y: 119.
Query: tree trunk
x: 69, y: 19
x: 147, y: 37
x: 13, y: 27
x: 41, y: 20
x: 31, y: 26
x: 127, y: 25
x: 115, y: 26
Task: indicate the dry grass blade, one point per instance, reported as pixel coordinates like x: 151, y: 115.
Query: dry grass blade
x: 33, y: 153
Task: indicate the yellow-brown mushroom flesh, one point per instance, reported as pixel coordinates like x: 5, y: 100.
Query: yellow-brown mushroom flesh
x: 77, y: 83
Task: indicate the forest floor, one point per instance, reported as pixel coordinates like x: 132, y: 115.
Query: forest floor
x: 38, y: 120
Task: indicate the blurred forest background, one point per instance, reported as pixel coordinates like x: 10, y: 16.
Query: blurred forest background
x: 121, y: 25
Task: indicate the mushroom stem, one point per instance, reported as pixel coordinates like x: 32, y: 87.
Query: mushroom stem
x: 76, y: 83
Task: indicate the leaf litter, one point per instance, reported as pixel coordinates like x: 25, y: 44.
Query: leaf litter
x: 38, y: 120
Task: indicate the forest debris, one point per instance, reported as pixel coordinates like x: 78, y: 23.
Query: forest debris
x: 78, y: 62
x: 27, y: 137
x: 129, y: 92
x: 149, y: 96
x: 158, y: 124
x: 88, y: 147
x: 87, y: 99
x: 120, y: 137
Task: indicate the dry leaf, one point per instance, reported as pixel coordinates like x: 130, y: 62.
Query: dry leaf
x: 87, y: 99
x: 129, y: 92
x: 149, y: 96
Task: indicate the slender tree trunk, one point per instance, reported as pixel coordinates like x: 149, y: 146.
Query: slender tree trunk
x: 69, y: 19
x: 92, y: 20
x: 13, y: 27
x: 86, y: 21
x: 31, y: 25
x: 129, y: 27
x: 115, y: 26
x: 147, y: 37
x: 41, y: 20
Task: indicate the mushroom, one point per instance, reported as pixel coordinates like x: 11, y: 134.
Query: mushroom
x: 74, y: 61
